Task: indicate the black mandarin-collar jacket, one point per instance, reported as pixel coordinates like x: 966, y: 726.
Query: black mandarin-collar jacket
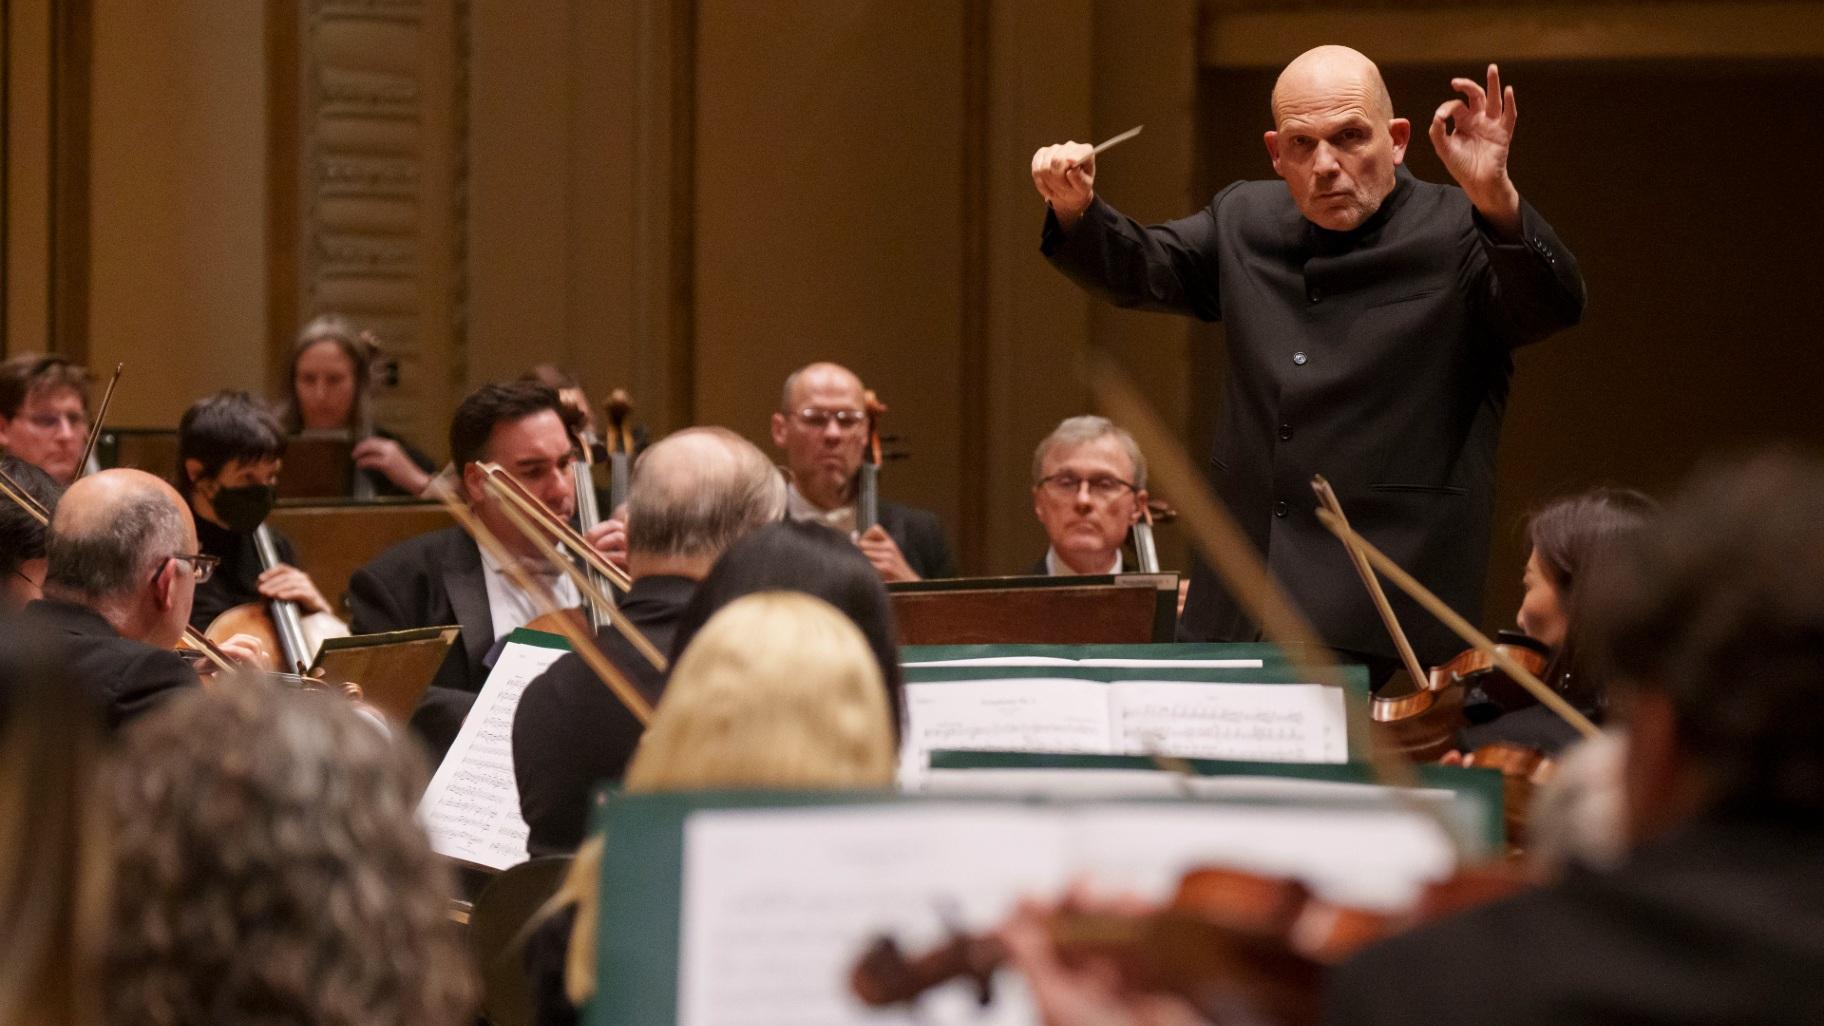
x: 1380, y: 358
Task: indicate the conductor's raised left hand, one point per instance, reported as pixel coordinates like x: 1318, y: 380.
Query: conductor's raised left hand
x: 1475, y: 148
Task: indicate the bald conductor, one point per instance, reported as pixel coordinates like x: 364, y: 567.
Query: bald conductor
x: 1370, y: 320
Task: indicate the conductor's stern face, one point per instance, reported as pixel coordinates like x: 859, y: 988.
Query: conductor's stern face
x: 1336, y: 156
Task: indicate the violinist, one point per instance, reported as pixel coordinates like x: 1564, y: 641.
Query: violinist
x: 22, y: 562
x: 1088, y: 491
x: 443, y: 578
x: 44, y: 413
x: 230, y: 449
x: 331, y: 383
x: 694, y: 493
x: 1711, y: 628
x: 822, y: 426
x: 1568, y: 540
x: 122, y: 566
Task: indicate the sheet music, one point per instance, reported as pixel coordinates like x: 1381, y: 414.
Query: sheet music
x: 1041, y: 660
x: 471, y: 809
x: 777, y: 905
x: 1253, y: 722
x: 1040, y: 714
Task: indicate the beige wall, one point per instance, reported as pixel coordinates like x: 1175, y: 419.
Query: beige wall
x: 177, y: 286
x: 689, y: 198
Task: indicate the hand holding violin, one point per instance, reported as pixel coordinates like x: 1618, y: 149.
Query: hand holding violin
x: 610, y: 539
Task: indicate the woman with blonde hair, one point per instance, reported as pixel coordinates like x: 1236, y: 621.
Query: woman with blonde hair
x: 778, y: 690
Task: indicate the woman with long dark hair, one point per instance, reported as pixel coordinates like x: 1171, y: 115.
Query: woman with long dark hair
x: 1568, y: 540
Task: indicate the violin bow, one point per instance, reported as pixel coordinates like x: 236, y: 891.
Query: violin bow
x: 554, y: 525
x: 524, y: 525
x: 101, y: 414
x: 1221, y: 541
x: 1463, y: 629
x: 11, y: 489
x: 1327, y: 496
x: 580, y: 640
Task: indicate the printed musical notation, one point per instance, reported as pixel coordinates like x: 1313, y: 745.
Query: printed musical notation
x: 471, y: 809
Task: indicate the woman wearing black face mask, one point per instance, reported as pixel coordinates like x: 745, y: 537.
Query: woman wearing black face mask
x: 229, y: 448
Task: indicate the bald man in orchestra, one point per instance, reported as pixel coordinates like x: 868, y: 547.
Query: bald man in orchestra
x: 1370, y: 321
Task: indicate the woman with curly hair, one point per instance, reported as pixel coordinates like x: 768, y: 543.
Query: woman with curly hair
x: 269, y: 869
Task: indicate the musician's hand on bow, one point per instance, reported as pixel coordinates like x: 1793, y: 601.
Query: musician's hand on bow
x: 610, y: 539
x: 1065, y: 175
x: 883, y: 552
x: 1475, y: 150
x: 289, y: 584
x: 390, y: 460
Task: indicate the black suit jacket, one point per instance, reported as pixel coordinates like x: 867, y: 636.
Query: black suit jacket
x: 920, y: 537
x: 1723, y: 923
x: 236, y: 581
x: 1379, y: 357
x: 121, y: 677
x: 571, y: 733
x: 428, y: 581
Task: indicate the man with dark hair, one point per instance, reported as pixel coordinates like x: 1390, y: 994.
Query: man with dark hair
x: 122, y: 567
x: 44, y: 412
x: 443, y: 578
x: 693, y: 495
x: 821, y: 427
x: 230, y: 448
x: 22, y: 535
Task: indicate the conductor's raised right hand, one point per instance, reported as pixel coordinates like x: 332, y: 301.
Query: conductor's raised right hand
x: 1065, y: 175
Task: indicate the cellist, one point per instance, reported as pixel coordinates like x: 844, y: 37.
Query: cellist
x: 230, y: 449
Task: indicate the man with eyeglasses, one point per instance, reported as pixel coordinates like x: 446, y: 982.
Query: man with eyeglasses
x: 121, y: 570
x: 443, y: 578
x: 1088, y: 491
x: 44, y: 413
x: 822, y: 427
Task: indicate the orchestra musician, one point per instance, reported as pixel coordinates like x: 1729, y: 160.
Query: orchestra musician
x: 694, y: 493
x: 122, y: 566
x: 1088, y: 491
x: 44, y: 413
x: 331, y: 384
x: 821, y: 427
x: 1567, y: 540
x: 22, y: 562
x: 444, y: 578
x: 230, y: 449
x: 1711, y: 627
x: 1370, y: 320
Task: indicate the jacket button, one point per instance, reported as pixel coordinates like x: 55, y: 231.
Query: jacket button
x: 1314, y: 293
x: 1299, y: 358
x: 1285, y: 432
x: 1280, y: 509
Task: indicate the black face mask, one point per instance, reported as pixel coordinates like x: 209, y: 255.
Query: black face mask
x: 243, y: 509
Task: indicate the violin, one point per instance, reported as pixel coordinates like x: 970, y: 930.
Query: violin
x: 1238, y: 946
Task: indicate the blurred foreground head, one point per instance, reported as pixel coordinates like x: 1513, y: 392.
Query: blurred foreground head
x: 270, y: 869
x: 1711, y: 629
x: 779, y: 690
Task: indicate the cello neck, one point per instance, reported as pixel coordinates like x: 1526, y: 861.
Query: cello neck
x: 286, y: 622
